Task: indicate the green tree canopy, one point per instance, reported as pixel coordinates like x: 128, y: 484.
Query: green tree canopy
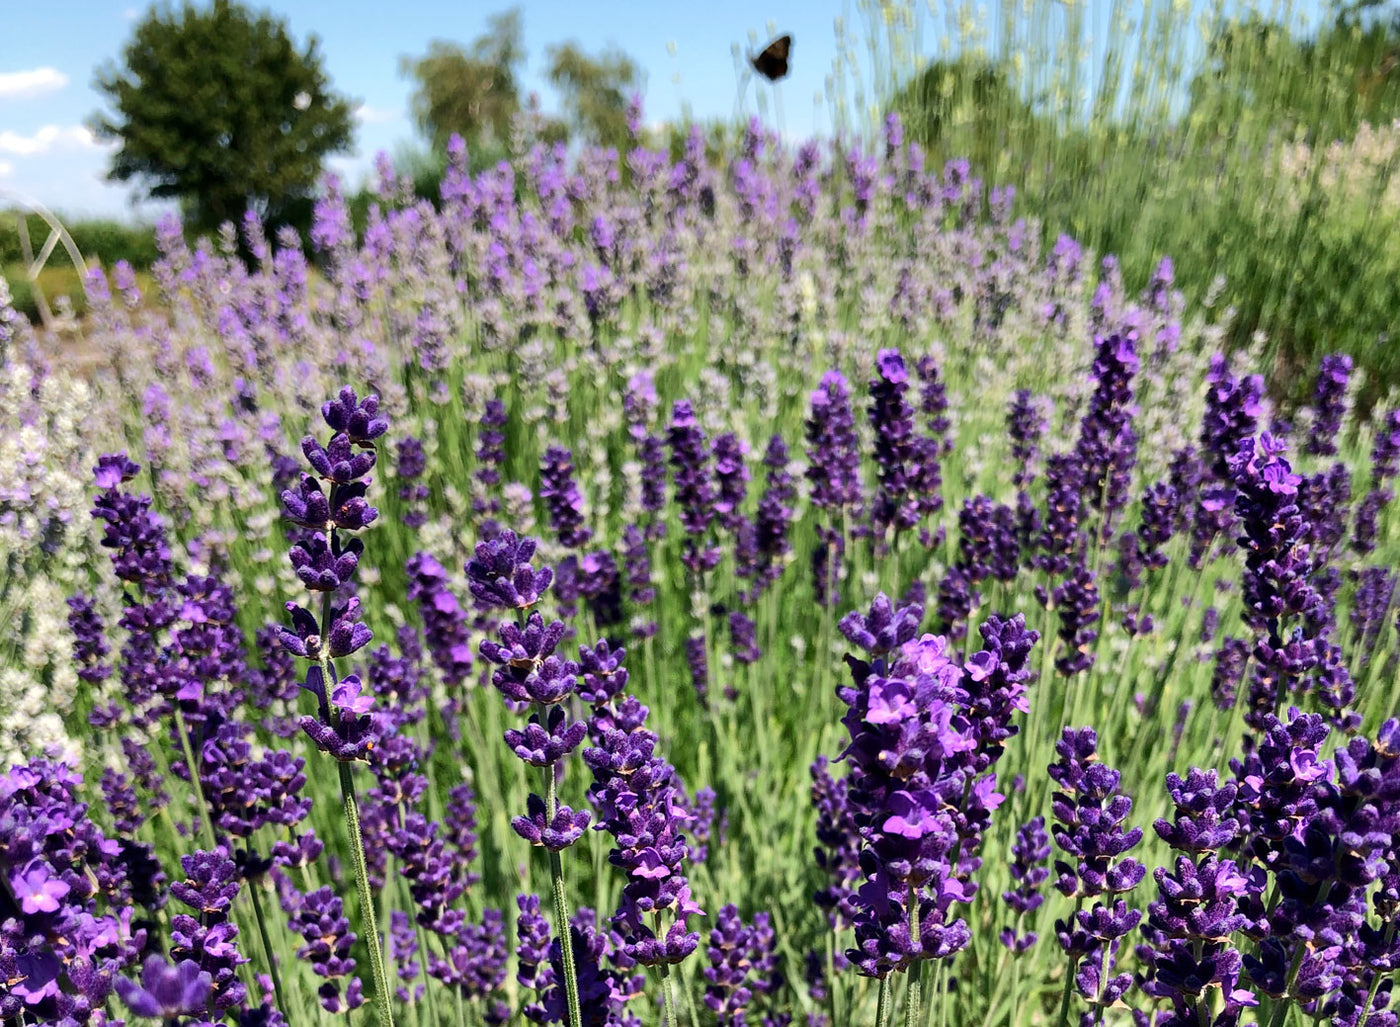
x: 970, y: 107
x: 594, y: 90
x: 1324, y: 86
x: 217, y: 107
x: 474, y: 91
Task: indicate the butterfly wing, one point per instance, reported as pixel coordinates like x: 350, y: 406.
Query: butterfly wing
x: 772, y: 61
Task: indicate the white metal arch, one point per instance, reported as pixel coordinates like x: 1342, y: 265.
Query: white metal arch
x: 34, y: 263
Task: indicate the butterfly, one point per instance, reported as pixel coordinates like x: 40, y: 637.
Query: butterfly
x: 772, y: 61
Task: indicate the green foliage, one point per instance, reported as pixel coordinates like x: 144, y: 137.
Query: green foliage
x: 103, y: 240
x: 968, y: 107
x: 474, y: 91
x: 1141, y: 167
x: 1257, y: 74
x: 218, y: 108
x: 722, y: 138
x: 595, y: 91
x: 55, y: 282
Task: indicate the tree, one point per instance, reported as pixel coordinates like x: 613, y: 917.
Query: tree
x: 1259, y: 75
x: 472, y: 92
x: 216, y: 107
x: 594, y: 90
x: 970, y: 107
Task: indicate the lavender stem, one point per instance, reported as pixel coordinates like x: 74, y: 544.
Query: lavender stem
x: 882, y: 1005
x: 561, y: 907
x: 382, y: 994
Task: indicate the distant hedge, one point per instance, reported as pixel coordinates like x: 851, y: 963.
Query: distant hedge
x: 103, y: 240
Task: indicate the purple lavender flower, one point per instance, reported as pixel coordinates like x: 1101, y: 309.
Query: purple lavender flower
x: 1161, y: 515
x: 1060, y: 537
x: 1329, y: 404
x: 141, y: 554
x: 956, y: 599
x: 1335, y: 842
x: 1385, y: 450
x: 895, y: 451
x: 1107, y: 446
x: 1368, y: 513
x: 1029, y: 854
x: 500, y: 576
x: 166, y: 991
x: 742, y: 964
x: 208, y: 939
x: 995, y: 683
x: 827, y: 557
x: 1025, y: 424
x: 320, y: 920
x: 562, y: 497
x: 1232, y: 414
x: 1077, y: 601
x: 837, y: 853
x: 1323, y: 500
x: 490, y: 443
x: 1090, y: 813
x: 698, y: 664
x: 90, y: 647
x: 637, y: 575
x: 1375, y: 591
x: 640, y: 804
x: 327, y: 561
x: 707, y: 824
x: 1230, y: 661
x: 409, y: 468
x: 1275, y: 782
x: 934, y: 444
x: 403, y: 948
x: 743, y: 637
x: 695, y: 494
x: 1276, y: 568
x: 987, y: 543
x: 774, y: 521
x: 475, y: 962
x: 603, y: 992
x: 911, y: 743
x: 601, y: 587
x: 69, y: 898
x: 731, y: 480
x: 833, y: 450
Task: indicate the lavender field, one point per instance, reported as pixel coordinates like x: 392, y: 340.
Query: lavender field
x: 786, y: 577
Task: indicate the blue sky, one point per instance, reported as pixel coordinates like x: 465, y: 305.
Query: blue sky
x: 685, y: 49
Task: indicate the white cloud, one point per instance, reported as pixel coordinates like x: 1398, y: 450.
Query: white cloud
x: 5, y: 168
x: 16, y: 85
x: 131, y: 14
x: 367, y: 115
x: 50, y: 137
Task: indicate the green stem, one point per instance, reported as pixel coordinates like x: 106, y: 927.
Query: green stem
x: 914, y: 999
x: 668, y: 997
x: 1376, y: 979
x: 1015, y: 985
x: 561, y: 908
x: 1280, y: 1010
x: 688, y: 993
x: 253, y: 887
x: 882, y: 1005
x: 193, y: 767
x: 428, y: 989
x: 1064, y: 998
x: 382, y: 994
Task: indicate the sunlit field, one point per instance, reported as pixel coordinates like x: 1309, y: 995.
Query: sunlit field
x: 815, y: 590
